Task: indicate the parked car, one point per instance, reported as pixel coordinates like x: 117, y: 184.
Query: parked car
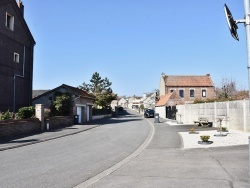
x: 149, y: 113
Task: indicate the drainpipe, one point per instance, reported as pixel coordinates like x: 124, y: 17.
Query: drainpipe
x: 20, y: 76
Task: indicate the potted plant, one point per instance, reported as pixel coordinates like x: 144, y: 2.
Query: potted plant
x: 221, y: 129
x: 205, y: 138
x: 192, y: 131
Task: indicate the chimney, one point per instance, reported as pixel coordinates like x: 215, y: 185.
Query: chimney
x: 21, y: 7
x: 208, y: 75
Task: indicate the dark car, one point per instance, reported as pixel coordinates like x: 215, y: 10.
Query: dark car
x: 149, y: 113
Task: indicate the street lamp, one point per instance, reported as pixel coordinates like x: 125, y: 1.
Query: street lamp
x: 232, y: 24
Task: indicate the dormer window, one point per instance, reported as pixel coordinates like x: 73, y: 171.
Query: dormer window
x: 9, y: 23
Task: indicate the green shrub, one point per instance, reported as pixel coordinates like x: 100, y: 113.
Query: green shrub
x: 205, y: 138
x: 6, y: 115
x: 61, y: 105
x: 26, y: 112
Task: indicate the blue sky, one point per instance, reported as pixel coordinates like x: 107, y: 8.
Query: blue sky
x: 131, y: 42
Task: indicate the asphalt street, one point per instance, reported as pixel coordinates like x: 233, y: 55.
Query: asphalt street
x: 71, y: 159
x: 160, y: 160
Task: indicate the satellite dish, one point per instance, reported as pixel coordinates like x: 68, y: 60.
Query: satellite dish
x: 231, y: 23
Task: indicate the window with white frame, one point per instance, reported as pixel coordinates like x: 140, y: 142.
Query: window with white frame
x: 9, y: 23
x: 204, y: 92
x: 16, y: 57
x: 191, y: 92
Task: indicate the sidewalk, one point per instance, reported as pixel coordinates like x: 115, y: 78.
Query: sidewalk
x: 164, y: 163
x: 45, y: 136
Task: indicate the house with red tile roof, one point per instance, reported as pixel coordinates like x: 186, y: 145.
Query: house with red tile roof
x: 188, y: 88
x: 166, y: 106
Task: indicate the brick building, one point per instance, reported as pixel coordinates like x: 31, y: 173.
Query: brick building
x: 16, y: 52
x: 188, y: 88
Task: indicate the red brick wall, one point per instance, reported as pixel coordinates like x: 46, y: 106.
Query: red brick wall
x: 10, y: 128
x: 210, y: 92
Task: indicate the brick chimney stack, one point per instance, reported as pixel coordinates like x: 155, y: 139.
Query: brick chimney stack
x: 21, y: 7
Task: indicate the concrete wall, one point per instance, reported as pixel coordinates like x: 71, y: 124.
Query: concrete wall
x: 161, y: 111
x: 235, y: 114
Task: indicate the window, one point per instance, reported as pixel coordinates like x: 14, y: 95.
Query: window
x: 191, y: 92
x: 9, y: 21
x: 204, y: 93
x: 16, y: 57
x: 171, y: 90
x: 181, y: 93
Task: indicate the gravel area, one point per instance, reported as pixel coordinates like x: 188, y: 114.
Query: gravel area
x: 233, y: 138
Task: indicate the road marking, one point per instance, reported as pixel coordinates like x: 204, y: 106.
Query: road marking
x: 110, y: 170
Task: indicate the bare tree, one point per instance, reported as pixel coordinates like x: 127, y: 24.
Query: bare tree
x: 227, y: 90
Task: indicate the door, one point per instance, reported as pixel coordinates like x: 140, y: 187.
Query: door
x: 79, y: 113
x: 87, y: 113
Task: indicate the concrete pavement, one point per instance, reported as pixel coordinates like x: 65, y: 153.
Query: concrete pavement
x: 163, y: 162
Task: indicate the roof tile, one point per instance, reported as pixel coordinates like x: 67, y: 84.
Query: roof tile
x: 189, y: 81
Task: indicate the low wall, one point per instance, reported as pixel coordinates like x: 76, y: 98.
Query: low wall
x: 100, y: 116
x: 10, y: 128
x: 58, y: 122
x: 234, y: 114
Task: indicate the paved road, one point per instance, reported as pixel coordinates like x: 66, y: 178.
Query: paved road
x: 70, y: 160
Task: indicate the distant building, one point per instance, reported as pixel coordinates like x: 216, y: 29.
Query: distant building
x: 16, y: 57
x: 188, y: 88
x: 123, y: 102
x: 134, y: 102
x: 149, y: 101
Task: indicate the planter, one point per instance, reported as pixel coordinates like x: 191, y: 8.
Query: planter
x: 194, y: 132
x: 220, y: 135
x: 205, y: 143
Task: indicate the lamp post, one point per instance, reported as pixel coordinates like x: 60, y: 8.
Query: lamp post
x: 247, y: 27
x: 233, y: 29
